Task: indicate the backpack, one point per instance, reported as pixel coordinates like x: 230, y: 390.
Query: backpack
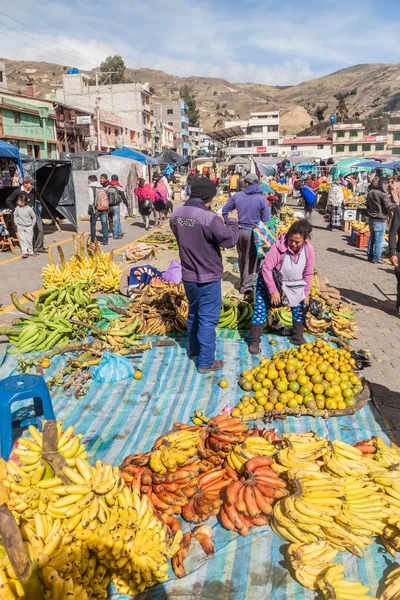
x: 114, y: 197
x: 100, y: 199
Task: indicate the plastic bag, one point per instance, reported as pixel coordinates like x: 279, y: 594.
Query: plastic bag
x: 315, y: 308
x: 174, y: 272
x: 112, y: 368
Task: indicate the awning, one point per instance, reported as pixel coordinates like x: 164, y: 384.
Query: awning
x: 221, y: 135
x: 135, y: 155
x: 170, y: 157
x: 10, y: 151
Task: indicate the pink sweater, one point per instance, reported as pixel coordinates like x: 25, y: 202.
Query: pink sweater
x: 274, y: 260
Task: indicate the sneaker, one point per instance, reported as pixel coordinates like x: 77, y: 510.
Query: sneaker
x: 218, y: 364
x: 41, y: 250
x: 25, y: 256
x: 33, y: 255
x: 379, y: 262
x: 104, y: 243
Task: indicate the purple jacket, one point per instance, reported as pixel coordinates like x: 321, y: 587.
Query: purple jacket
x: 252, y: 207
x: 274, y: 260
x: 200, y: 233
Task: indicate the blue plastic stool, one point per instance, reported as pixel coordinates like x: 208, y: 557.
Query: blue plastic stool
x: 13, y: 389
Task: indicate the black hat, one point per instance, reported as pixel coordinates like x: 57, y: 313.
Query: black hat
x: 204, y: 189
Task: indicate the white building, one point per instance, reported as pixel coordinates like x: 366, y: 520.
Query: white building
x: 3, y: 78
x: 312, y: 146
x: 128, y: 100
x: 199, y: 142
x: 261, y: 137
x: 167, y: 136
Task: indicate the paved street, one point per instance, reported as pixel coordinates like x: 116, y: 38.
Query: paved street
x: 372, y: 289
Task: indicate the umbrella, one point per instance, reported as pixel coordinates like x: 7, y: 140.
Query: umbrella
x: 135, y: 155
x: 170, y: 157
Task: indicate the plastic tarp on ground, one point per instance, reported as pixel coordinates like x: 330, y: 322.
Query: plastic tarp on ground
x: 127, y: 170
x: 126, y: 417
x: 54, y: 177
x: 10, y: 151
x: 135, y: 155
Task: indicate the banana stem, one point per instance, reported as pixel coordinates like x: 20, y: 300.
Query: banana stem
x: 92, y: 328
x: 21, y: 307
x: 62, y: 256
x: 29, y: 296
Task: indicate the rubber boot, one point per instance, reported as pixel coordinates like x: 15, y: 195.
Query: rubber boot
x: 298, y: 334
x: 255, y: 333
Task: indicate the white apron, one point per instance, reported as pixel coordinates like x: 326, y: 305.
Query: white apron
x: 291, y: 276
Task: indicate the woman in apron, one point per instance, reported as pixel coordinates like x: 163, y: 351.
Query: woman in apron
x: 285, y: 279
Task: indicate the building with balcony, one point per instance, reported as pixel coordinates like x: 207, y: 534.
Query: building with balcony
x: 116, y: 132
x: 29, y: 124
x: 167, y: 136
x: 312, y: 146
x: 261, y: 137
x: 349, y: 139
x: 199, y: 142
x: 73, y: 127
x: 176, y: 116
x: 131, y: 101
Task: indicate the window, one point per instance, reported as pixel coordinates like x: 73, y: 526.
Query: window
x: 272, y: 142
x: 109, y: 131
x: 1, y: 77
x: 354, y: 133
x: 241, y: 144
x: 396, y: 151
x: 366, y: 147
x: 37, y: 150
x: 256, y: 143
x: 170, y: 123
x: 340, y: 148
x: 257, y: 129
x: 115, y: 131
x: 272, y: 128
x: 170, y: 111
x: 29, y: 149
x: 396, y: 136
x: 353, y: 148
x: 379, y: 146
x: 320, y: 146
x: 17, y: 117
x: 340, y: 133
x: 126, y: 131
x: 122, y: 131
x: 293, y: 147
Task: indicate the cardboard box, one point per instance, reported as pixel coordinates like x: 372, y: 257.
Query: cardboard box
x: 346, y: 226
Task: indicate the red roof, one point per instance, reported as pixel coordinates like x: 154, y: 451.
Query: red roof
x: 306, y: 140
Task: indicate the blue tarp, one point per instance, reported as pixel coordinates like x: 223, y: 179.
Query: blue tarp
x: 10, y: 151
x: 135, y: 155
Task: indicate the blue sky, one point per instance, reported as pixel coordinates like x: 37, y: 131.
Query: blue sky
x: 277, y: 42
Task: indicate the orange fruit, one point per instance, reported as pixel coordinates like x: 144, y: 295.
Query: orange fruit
x: 267, y: 383
x: 318, y: 388
x: 311, y: 370
x: 341, y: 405
x: 245, y: 372
x: 329, y: 376
x: 272, y: 374
x: 281, y: 387
x: 279, y: 406
x: 350, y: 401
x: 260, y: 377
x: 45, y: 363
x: 269, y: 406
x: 294, y: 386
x: 357, y: 389
x: 305, y: 390
x: 138, y: 374
x: 292, y: 403
x: 320, y: 403
x: 262, y: 400
x: 236, y: 412
x: 247, y: 386
x: 299, y: 399
x: 303, y: 379
x: 223, y: 383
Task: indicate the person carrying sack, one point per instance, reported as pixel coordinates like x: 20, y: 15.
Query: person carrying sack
x: 285, y: 279
x: 98, y: 208
x: 146, y: 196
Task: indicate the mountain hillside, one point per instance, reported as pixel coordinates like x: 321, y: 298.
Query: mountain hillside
x: 361, y: 91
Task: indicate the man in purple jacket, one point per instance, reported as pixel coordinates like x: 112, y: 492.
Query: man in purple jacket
x: 252, y: 207
x: 200, y: 233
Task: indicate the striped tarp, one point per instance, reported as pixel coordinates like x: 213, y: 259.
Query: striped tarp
x: 126, y: 417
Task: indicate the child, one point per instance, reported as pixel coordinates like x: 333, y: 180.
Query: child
x: 25, y: 219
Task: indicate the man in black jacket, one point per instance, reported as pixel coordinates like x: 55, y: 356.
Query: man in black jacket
x: 394, y: 247
x: 28, y: 191
x: 379, y: 204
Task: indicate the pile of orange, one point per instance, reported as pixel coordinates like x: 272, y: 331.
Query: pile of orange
x: 313, y: 376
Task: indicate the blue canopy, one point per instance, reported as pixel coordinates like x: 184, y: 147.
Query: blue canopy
x: 10, y: 151
x: 135, y: 155
x: 378, y: 165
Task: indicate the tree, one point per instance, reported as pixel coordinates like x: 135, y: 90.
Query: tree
x: 190, y: 101
x: 116, y: 65
x: 320, y: 112
x: 341, y: 110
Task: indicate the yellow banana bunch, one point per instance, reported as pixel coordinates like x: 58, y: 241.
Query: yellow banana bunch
x: 333, y: 581
x: 175, y: 450
x: 311, y: 561
x: 387, y: 456
x: 251, y: 447
x: 53, y: 276
x: 345, y: 460
x: 392, y: 583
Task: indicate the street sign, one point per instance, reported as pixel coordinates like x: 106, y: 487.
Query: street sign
x: 261, y: 149
x: 83, y: 120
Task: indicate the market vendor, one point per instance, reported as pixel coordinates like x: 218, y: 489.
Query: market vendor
x: 285, y: 279
x: 200, y: 233
x: 252, y: 207
x: 335, y: 205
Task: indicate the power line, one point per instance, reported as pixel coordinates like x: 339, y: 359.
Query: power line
x: 49, y: 38
x: 38, y: 42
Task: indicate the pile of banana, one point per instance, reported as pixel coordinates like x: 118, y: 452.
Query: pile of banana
x: 50, y: 323
x: 334, y: 587
x: 97, y: 268
x: 235, y: 314
x: 280, y: 317
x: 86, y: 532
x: 174, y: 450
x: 161, y: 308
x: 342, y: 322
x: 309, y: 562
x: 360, y: 227
x: 279, y: 187
x: 316, y: 326
x: 122, y: 333
x: 392, y: 583
x: 251, y: 447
